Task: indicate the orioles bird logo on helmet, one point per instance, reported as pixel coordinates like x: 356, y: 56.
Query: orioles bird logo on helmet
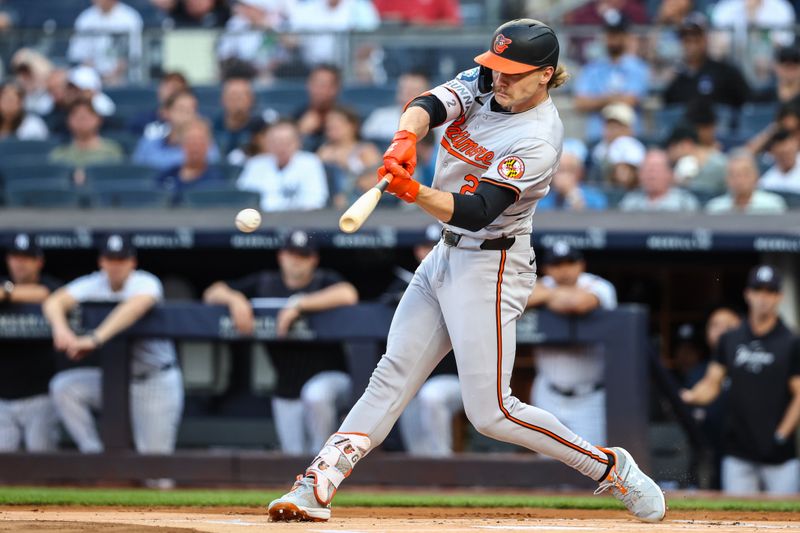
x: 501, y: 42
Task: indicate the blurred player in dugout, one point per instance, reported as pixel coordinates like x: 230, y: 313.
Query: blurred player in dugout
x: 156, y: 390
x: 570, y: 379
x: 313, y: 382
x: 26, y: 413
x: 761, y: 360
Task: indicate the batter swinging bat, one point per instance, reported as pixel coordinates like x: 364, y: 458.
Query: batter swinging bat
x: 356, y: 214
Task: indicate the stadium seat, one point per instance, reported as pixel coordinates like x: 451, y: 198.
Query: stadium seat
x: 221, y: 197
x: 15, y: 148
x: 36, y: 172
x: 130, y: 197
x: 41, y: 193
x: 229, y: 172
x: 665, y: 120
x: 614, y: 195
x: 365, y: 99
x: 120, y: 171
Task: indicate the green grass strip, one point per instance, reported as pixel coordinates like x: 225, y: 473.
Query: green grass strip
x: 255, y: 498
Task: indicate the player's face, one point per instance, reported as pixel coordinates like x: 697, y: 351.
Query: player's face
x: 297, y: 266
x: 762, y: 303
x: 565, y: 273
x: 519, y: 92
x: 24, y: 268
x: 117, y: 270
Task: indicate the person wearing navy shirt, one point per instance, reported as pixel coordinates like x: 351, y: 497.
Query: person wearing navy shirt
x: 701, y: 77
x: 761, y: 359
x: 194, y: 173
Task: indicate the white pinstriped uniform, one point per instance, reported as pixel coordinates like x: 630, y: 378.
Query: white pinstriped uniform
x: 156, y: 395
x: 578, y: 369
x: 469, y: 298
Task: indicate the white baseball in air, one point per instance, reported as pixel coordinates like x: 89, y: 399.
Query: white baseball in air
x: 248, y: 220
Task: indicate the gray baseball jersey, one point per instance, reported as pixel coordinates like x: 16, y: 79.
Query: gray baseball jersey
x: 517, y: 151
x: 469, y: 299
x: 148, y: 354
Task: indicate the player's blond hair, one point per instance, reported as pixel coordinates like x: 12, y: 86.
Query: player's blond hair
x: 560, y: 77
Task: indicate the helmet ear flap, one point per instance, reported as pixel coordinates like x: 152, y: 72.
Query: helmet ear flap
x: 485, y: 79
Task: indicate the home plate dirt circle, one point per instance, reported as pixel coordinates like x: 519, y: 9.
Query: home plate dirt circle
x: 374, y: 520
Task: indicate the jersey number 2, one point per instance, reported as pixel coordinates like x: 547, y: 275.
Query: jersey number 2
x: 471, y: 184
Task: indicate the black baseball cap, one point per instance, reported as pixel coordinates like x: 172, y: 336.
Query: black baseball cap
x: 764, y: 277
x: 117, y: 246
x: 300, y: 242
x: 615, y: 22
x: 787, y: 54
x: 25, y: 244
x: 694, y: 23
x: 561, y: 252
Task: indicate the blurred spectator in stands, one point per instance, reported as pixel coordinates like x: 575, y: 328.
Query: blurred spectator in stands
x: 256, y: 144
x: 596, y: 12
x: 696, y: 168
x: 420, y: 12
x: 195, y: 13
x: 343, y: 149
x: 426, y: 425
x: 381, y: 121
x: 87, y: 146
x: 14, y: 120
x: 570, y: 380
x: 288, y: 178
x: 31, y: 70
x: 194, y: 172
x: 156, y: 388
x: 617, y: 157
x: 84, y: 82
x: 27, y: 414
x: 313, y: 384
x: 245, y: 40
x: 233, y: 125
x: 700, y: 115
x: 324, y: 22
x: 784, y: 175
x: 322, y: 90
x: 759, y: 359
x: 735, y: 18
x: 785, y: 85
x: 165, y: 152
x: 567, y: 190
x: 657, y: 190
x: 96, y: 41
x: 8, y: 19
x: 56, y: 104
x: 700, y: 76
x: 787, y: 118
x: 152, y: 123
x: 618, y: 77
x: 742, y: 195
x: 673, y: 12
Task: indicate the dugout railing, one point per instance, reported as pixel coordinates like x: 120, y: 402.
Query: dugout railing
x: 622, y: 333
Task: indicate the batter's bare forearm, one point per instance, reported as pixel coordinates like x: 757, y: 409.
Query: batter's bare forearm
x: 792, y: 415
x: 436, y: 203
x: 416, y: 120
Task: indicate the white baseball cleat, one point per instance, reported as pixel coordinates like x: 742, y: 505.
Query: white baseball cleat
x: 300, y: 504
x: 640, y: 494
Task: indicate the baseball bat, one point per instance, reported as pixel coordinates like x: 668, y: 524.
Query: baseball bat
x: 356, y: 214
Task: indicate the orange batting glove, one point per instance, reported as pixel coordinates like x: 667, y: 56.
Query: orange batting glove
x: 401, y: 184
x: 402, y: 150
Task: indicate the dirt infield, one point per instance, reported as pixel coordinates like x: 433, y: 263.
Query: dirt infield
x: 373, y: 520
